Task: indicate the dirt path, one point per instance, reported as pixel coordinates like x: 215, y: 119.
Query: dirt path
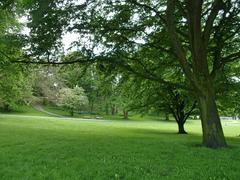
x: 40, y: 108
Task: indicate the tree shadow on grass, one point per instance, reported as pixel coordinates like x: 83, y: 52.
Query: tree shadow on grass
x: 191, y: 140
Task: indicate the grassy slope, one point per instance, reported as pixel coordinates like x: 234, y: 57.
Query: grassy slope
x: 49, y: 148
x: 25, y: 110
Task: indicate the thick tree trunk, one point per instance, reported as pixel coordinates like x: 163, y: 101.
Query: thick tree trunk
x: 213, y: 136
x: 181, y: 129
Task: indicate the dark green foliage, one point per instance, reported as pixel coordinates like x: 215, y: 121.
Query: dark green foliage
x: 15, y: 87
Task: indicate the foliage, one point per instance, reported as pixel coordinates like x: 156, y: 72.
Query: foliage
x: 47, y: 84
x: 228, y: 92
x: 85, y: 77
x: 15, y: 88
x: 15, y: 80
x: 72, y: 99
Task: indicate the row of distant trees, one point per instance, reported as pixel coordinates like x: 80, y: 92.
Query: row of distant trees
x: 90, y: 90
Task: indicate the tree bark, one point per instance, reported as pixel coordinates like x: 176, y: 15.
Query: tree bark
x: 181, y: 129
x: 213, y: 135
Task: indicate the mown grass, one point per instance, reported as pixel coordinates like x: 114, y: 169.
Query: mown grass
x: 53, y: 148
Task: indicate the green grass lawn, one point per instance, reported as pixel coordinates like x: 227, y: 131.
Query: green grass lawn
x: 52, y: 148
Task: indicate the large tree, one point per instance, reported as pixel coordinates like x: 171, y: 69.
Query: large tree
x: 211, y: 26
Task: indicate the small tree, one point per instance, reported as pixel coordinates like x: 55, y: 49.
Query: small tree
x: 72, y: 99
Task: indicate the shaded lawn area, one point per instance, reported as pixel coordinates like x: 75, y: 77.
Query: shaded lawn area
x: 49, y: 148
